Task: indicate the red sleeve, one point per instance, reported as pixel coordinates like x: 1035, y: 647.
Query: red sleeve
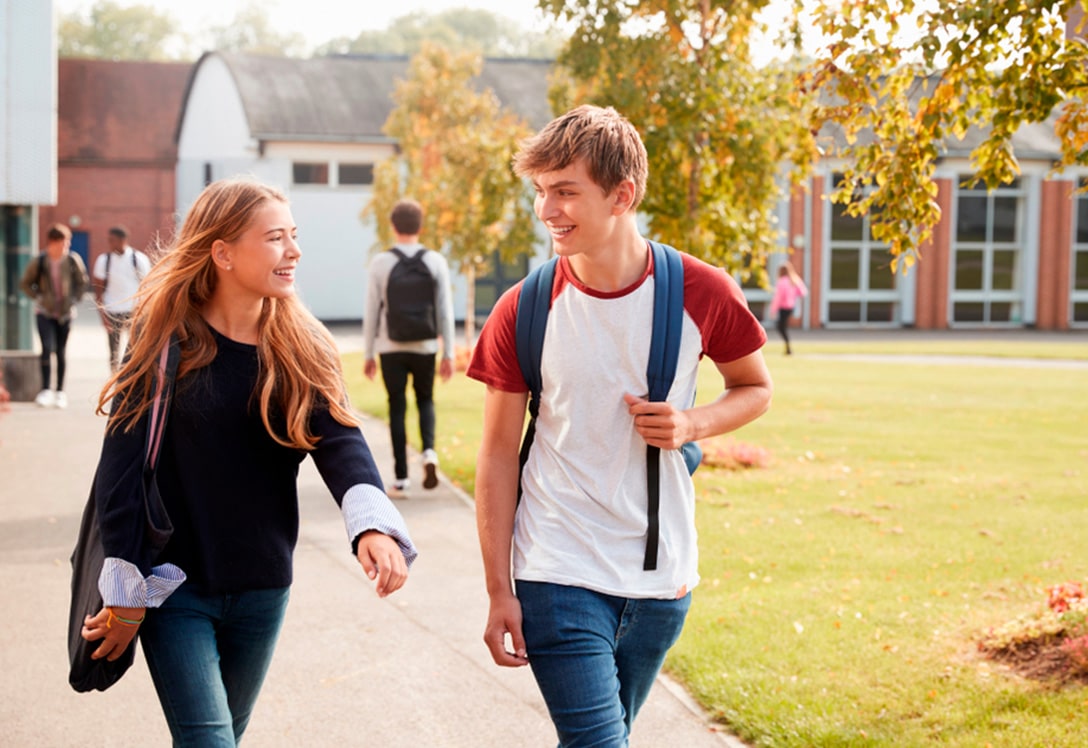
x: 716, y: 302
x: 495, y: 357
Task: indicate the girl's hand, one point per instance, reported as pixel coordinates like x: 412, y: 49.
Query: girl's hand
x: 116, y: 627
x: 382, y: 559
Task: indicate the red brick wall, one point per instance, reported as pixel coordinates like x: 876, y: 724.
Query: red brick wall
x: 1055, y: 242
x: 798, y: 195
x: 931, y: 282
x: 116, y: 125
x: 816, y: 201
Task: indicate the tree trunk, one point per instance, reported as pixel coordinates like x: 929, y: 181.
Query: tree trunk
x: 470, y: 305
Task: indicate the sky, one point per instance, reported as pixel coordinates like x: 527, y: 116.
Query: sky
x: 320, y: 20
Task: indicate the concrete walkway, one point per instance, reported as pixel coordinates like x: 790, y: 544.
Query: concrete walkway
x: 350, y: 670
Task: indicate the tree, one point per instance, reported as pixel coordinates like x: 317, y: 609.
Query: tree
x: 455, y: 147
x: 115, y: 32
x: 717, y: 128
x: 251, y: 31
x: 487, y: 33
x: 901, y: 78
x: 898, y: 78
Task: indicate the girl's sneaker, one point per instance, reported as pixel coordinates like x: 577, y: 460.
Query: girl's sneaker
x: 46, y: 399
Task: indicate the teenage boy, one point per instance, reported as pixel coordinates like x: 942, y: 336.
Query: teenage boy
x: 564, y: 565
x: 403, y: 350
x: 116, y: 279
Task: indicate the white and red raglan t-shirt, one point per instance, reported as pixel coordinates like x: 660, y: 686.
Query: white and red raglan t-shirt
x: 582, y: 516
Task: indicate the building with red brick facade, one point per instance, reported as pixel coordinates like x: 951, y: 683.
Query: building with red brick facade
x: 1013, y: 257
x: 116, y: 151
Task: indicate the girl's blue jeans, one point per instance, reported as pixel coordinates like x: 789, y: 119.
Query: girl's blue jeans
x: 595, y: 656
x: 208, y: 656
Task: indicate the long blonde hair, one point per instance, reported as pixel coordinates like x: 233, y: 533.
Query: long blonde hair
x: 298, y: 359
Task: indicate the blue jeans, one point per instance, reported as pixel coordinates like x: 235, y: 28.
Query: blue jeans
x: 595, y: 656
x: 208, y: 655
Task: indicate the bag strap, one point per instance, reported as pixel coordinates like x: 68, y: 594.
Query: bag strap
x: 168, y: 363
x: 660, y: 372
x: 400, y: 255
x: 534, y: 303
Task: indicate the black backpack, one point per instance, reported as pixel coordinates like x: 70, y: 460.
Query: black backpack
x: 410, y: 312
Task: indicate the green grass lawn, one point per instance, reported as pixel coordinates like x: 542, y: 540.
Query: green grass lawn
x: 906, y: 507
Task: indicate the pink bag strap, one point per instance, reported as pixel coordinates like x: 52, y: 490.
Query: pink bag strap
x: 158, y: 421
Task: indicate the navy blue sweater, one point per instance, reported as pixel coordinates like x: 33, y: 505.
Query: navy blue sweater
x: 229, y: 488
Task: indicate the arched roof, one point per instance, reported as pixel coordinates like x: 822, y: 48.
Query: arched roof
x: 347, y: 98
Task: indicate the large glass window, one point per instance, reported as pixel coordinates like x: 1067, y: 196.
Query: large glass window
x: 987, y: 278
x: 861, y: 287
x: 1079, y: 296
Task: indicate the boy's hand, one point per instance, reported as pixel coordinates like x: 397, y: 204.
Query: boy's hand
x: 504, y: 617
x: 370, y: 368
x: 658, y: 423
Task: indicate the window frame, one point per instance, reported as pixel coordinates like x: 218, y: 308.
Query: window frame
x: 988, y: 247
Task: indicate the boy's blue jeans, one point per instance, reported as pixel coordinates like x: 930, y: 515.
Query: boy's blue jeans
x: 208, y: 655
x: 595, y: 656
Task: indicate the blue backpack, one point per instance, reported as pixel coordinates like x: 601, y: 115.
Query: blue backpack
x: 534, y: 304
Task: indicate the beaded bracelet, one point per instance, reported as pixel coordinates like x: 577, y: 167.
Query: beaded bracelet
x: 124, y: 621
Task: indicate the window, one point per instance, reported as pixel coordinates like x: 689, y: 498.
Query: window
x: 862, y: 289
x: 986, y: 255
x: 356, y: 174
x: 1079, y: 296
x: 310, y: 172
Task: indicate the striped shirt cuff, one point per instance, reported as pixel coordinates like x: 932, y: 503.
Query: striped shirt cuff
x: 366, y: 507
x: 121, y: 584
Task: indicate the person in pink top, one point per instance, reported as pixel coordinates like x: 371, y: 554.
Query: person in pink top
x: 787, y: 290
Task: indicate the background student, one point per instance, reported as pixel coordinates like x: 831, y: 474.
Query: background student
x: 116, y: 279
x: 788, y: 289
x: 408, y: 307
x: 56, y: 280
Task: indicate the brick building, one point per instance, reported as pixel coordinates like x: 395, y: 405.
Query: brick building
x: 116, y: 151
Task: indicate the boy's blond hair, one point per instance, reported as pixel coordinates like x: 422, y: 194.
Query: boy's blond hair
x: 601, y: 137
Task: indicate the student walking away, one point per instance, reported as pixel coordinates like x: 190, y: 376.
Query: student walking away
x: 587, y: 584
x: 116, y: 278
x: 56, y: 280
x: 259, y: 387
x: 787, y: 290
x: 408, y: 307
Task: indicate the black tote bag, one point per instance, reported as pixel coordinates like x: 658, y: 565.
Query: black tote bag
x: 86, y: 674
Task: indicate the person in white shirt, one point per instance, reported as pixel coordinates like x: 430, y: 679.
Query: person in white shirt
x: 572, y: 594
x: 116, y: 279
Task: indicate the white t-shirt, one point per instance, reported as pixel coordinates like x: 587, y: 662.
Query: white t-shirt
x: 124, y: 278
x: 582, y: 517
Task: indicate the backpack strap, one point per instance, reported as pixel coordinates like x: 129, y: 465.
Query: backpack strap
x: 660, y: 371
x: 534, y: 303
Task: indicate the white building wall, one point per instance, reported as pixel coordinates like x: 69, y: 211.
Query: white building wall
x: 28, y: 103
x: 214, y: 142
